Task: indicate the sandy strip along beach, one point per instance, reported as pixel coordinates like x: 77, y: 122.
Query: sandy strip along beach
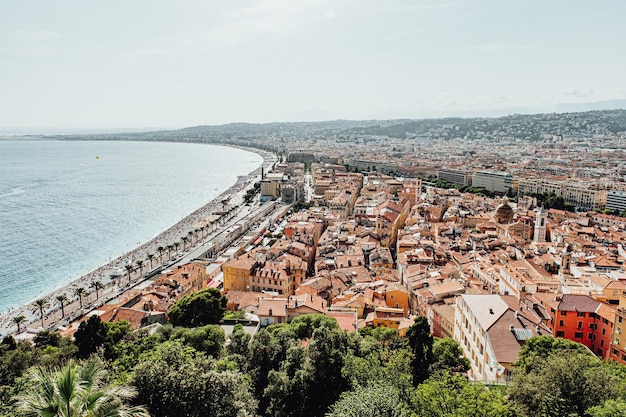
x: 52, y: 315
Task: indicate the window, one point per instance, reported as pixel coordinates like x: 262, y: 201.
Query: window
x: 593, y: 326
x: 580, y: 325
x: 619, y: 319
x: 560, y: 333
x: 564, y: 313
x: 581, y: 314
x: 590, y: 336
x: 561, y: 323
x: 578, y: 335
x: 391, y: 296
x: 603, y: 332
x: 602, y: 342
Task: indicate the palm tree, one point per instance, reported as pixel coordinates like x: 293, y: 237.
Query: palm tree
x: 184, y: 240
x: 75, y: 390
x: 19, y: 320
x: 140, y: 266
x: 190, y: 233
x: 169, y: 251
x: 177, y: 245
x: 80, y: 292
x: 161, y: 249
x: 97, y: 285
x: 39, y: 306
x: 150, y: 256
x: 62, y: 299
x: 129, y: 269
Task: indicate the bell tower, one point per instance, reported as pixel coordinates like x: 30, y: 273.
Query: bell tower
x: 540, y: 226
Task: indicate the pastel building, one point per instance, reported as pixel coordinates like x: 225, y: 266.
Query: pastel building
x: 491, y: 329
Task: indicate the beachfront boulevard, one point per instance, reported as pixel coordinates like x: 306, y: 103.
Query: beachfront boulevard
x: 201, y: 235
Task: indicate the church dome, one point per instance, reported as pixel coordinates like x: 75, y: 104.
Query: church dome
x: 504, y: 213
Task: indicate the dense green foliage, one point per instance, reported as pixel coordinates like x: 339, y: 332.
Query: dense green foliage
x: 311, y: 368
x: 557, y: 377
x: 198, y: 308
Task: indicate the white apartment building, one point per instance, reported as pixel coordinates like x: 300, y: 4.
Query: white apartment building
x: 455, y: 176
x: 491, y: 331
x: 492, y: 180
x: 616, y: 200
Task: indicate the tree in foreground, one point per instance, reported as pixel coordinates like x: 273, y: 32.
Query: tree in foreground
x: 421, y: 342
x: 448, y: 357
x: 562, y: 386
x: 75, y: 391
x: 198, y: 308
x: 91, y: 334
x: 372, y: 401
x: 176, y: 381
x: 610, y: 408
x: 453, y: 395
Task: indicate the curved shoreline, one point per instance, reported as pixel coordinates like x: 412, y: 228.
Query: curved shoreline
x: 168, y: 236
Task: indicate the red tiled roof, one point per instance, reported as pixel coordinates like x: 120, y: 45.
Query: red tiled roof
x: 581, y: 303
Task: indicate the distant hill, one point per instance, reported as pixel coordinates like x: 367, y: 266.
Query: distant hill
x: 597, y: 105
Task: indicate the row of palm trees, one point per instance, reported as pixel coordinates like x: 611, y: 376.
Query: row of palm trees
x: 40, y: 305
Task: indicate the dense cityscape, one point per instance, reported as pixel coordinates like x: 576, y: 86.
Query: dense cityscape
x: 460, y: 256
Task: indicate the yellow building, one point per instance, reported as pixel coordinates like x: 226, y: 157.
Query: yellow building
x: 252, y: 272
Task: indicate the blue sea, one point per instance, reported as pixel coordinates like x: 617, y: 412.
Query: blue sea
x: 67, y: 207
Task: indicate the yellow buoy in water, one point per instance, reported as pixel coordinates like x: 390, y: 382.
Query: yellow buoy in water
x: 97, y: 157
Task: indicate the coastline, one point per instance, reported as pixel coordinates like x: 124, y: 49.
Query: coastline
x: 103, y: 273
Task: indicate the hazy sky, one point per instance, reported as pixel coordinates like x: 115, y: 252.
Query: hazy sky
x: 156, y: 63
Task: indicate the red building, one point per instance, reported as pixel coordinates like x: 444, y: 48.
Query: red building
x: 585, y: 320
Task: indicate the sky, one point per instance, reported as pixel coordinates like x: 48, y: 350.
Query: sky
x: 105, y: 65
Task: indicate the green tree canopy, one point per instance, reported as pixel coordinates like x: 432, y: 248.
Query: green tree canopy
x: 208, y: 339
x: 448, y: 357
x: 541, y: 347
x: 91, y: 334
x: 176, y: 381
x: 421, y: 342
x: 304, y: 325
x: 198, y: 308
x: 610, y: 408
x: 564, y: 385
x: 373, y: 401
x: 447, y: 395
